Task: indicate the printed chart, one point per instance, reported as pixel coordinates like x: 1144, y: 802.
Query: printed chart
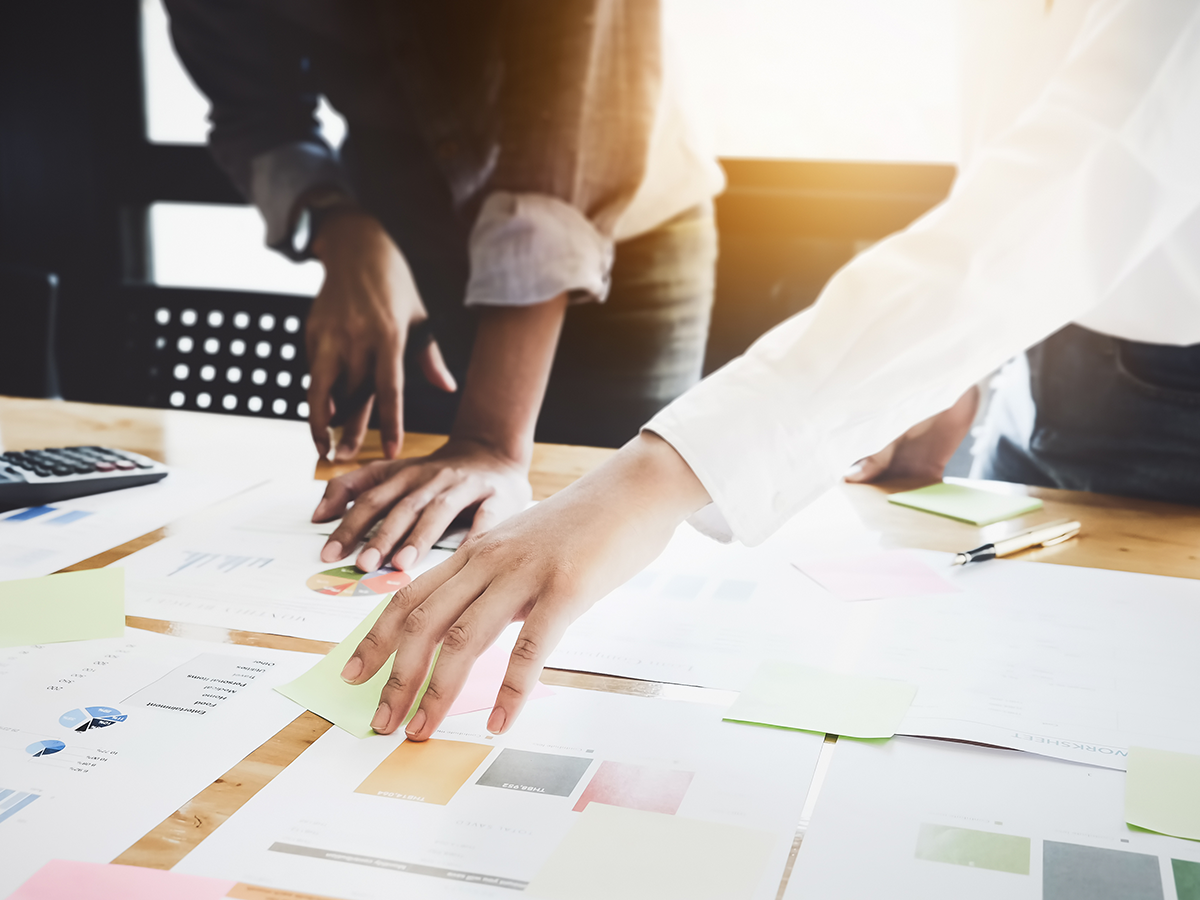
x: 94, y: 717
x: 91, y: 717
x: 350, y: 581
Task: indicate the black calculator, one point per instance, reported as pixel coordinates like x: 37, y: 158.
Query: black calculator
x: 37, y: 477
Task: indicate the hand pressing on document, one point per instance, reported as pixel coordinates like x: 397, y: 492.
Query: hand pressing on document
x: 544, y: 566
x: 415, y: 500
x: 482, y: 470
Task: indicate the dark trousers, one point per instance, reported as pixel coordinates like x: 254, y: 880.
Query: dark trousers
x: 1089, y: 412
x: 617, y: 363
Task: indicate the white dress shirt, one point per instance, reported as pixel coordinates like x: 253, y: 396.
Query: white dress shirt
x: 1082, y: 205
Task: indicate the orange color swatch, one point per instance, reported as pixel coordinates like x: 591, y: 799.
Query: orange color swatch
x: 429, y: 772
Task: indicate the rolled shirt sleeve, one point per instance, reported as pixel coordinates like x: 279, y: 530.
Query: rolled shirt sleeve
x: 1050, y: 221
x: 578, y: 105
x: 529, y: 248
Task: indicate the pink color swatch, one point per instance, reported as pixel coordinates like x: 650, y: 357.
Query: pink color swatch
x: 60, y: 879
x: 484, y: 682
x: 874, y: 576
x: 636, y: 787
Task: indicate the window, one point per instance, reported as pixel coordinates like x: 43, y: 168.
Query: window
x: 812, y: 79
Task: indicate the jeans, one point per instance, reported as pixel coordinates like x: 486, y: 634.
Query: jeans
x: 1089, y: 412
x: 618, y: 362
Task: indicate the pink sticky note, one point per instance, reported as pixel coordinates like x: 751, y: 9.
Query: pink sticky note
x: 485, y: 679
x: 873, y: 576
x: 61, y: 879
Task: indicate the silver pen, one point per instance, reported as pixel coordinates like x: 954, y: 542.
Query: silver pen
x: 1041, y: 536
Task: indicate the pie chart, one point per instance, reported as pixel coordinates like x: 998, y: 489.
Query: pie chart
x: 348, y: 581
x: 45, y: 748
x: 90, y: 717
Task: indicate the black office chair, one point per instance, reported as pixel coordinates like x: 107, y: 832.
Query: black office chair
x: 229, y: 352
x: 28, y: 311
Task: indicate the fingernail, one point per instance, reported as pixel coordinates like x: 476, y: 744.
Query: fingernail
x: 331, y: 551
x: 352, y: 670
x: 406, y: 557
x: 496, y: 720
x: 416, y: 724
x: 368, y: 560
x: 382, y: 715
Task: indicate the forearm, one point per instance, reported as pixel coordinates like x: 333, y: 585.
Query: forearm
x: 507, y: 376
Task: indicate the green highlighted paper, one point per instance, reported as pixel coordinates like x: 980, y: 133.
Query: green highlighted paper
x: 71, y: 606
x: 787, y: 695
x: 350, y: 707
x: 977, y: 849
x: 966, y: 504
x: 612, y: 852
x: 1162, y: 792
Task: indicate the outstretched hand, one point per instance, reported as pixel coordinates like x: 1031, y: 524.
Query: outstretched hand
x: 544, y: 566
x: 924, y: 450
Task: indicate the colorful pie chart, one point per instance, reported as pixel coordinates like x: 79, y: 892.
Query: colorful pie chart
x: 348, y: 581
x: 90, y: 717
x: 45, y: 748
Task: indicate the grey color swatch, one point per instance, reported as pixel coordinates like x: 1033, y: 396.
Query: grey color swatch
x: 1075, y: 872
x: 537, y: 773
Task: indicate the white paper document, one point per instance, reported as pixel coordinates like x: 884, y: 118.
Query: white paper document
x: 102, y: 740
x: 44, y: 539
x: 1074, y: 663
x: 944, y: 821
x: 1064, y: 661
x: 467, y: 814
x: 703, y: 613
x: 258, y: 568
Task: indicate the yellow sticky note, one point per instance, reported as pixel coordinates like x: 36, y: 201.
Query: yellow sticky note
x: 786, y: 695
x: 956, y: 501
x: 350, y: 707
x: 1162, y: 792
x: 71, y: 606
x: 612, y: 852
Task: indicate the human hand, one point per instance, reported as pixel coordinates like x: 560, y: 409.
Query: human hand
x: 924, y: 450
x: 417, y: 499
x: 544, y: 566
x: 356, y: 334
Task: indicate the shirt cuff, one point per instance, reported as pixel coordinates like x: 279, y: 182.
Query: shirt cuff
x: 713, y: 427
x: 529, y: 248
x: 280, y: 178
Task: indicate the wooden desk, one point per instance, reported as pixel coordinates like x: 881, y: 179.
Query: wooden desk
x: 1129, y: 535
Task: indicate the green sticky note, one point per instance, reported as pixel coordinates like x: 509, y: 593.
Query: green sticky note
x: 633, y: 854
x: 1162, y: 792
x: 966, y: 504
x: 350, y: 707
x: 71, y: 606
x: 787, y: 695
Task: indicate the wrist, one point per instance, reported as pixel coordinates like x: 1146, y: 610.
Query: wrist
x: 340, y: 226
x: 663, y: 477
x: 512, y: 450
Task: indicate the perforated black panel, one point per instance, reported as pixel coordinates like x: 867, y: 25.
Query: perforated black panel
x: 228, y: 352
